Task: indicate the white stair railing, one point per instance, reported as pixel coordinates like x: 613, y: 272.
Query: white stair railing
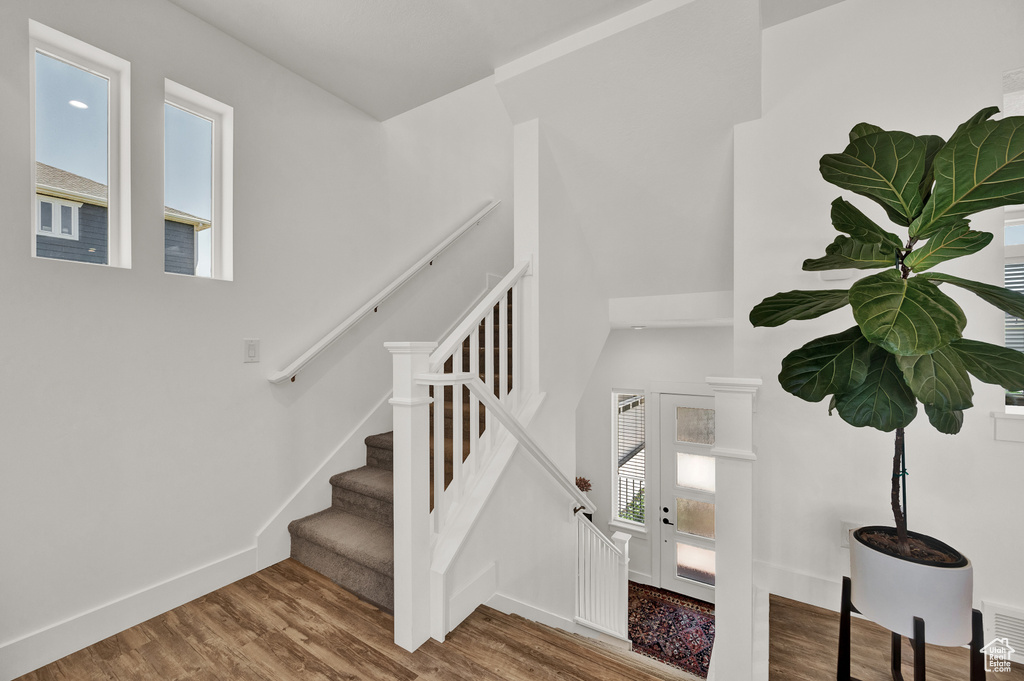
x: 490, y: 335
x: 602, y: 579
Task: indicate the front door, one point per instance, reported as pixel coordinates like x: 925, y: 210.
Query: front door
x: 686, y: 516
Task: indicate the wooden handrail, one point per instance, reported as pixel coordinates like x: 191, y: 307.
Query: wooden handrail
x: 448, y: 346
x: 495, y: 407
x: 305, y: 358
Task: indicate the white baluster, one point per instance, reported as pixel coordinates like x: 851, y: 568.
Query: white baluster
x: 503, y: 348
x: 456, y: 486
x: 517, y: 390
x: 489, y: 370
x: 474, y: 405
x: 440, y: 511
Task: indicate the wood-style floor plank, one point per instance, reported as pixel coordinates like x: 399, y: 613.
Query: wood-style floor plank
x: 288, y: 622
x: 804, y: 645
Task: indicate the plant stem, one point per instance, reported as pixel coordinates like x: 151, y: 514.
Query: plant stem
x: 902, y: 538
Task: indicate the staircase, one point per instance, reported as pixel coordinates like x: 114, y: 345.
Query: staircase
x: 352, y: 542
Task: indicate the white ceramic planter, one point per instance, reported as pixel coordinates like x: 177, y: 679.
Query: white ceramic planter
x: 891, y: 591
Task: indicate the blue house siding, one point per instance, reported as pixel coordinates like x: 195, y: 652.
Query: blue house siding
x: 91, y: 245
x: 179, y: 248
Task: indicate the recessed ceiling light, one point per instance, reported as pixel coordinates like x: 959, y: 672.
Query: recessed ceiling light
x: 637, y: 327
x: 78, y: 105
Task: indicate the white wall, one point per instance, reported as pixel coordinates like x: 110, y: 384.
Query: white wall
x: 639, y: 360
x: 921, y: 66
x: 137, y: 447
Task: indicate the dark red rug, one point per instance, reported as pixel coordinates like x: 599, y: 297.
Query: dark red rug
x: 671, y: 628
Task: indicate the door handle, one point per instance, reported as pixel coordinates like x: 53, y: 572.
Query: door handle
x: 666, y: 521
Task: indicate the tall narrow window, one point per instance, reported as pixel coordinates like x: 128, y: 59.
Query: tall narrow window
x: 630, y: 458
x: 1013, y: 237
x: 197, y: 184
x: 80, y: 143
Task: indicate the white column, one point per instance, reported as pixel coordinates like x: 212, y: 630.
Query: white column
x: 526, y: 244
x: 410, y: 402
x: 734, y: 527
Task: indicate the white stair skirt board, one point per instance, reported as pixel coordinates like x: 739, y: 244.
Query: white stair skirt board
x: 58, y: 640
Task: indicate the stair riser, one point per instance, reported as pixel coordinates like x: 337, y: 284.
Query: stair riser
x: 367, y: 584
x: 353, y: 502
x: 380, y: 458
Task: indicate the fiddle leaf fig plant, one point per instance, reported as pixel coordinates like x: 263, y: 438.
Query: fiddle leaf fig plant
x: 908, y: 345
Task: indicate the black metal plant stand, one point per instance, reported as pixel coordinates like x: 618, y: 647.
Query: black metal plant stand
x: 843, y: 667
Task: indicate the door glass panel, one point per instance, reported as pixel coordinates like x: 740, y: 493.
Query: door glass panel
x: 695, y: 425
x: 695, y: 471
x: 695, y: 517
x: 693, y: 562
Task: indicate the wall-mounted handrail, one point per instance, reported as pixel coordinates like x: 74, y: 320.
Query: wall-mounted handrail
x: 512, y: 425
x: 305, y: 358
x: 454, y: 340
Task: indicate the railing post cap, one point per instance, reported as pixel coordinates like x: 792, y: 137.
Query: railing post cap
x: 411, y: 348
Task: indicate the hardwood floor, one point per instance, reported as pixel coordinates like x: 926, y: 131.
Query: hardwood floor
x: 288, y: 622
x: 804, y: 644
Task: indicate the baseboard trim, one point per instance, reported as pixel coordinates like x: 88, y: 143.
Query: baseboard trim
x: 512, y: 606
x: 479, y: 590
x: 798, y: 586
x: 58, y: 640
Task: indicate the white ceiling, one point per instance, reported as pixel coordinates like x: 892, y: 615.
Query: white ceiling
x: 389, y: 56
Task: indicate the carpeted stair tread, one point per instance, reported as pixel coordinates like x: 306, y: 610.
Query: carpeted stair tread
x: 381, y: 441
x: 363, y: 541
x: 368, y: 481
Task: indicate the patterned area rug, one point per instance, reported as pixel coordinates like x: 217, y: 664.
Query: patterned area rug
x: 671, y: 628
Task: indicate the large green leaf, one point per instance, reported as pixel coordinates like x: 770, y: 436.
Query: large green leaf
x: 982, y: 168
x: 948, y: 421
x: 883, y: 400
x: 863, y: 130
x: 977, y: 119
x: 887, y: 167
x: 827, y: 365
x: 782, y: 307
x: 954, y: 241
x: 905, y: 316
x: 991, y: 363
x: 1010, y: 302
x: 939, y: 379
x: 932, y: 145
x: 844, y: 253
x: 848, y: 219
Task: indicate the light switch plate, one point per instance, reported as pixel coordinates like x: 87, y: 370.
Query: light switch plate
x: 251, y: 350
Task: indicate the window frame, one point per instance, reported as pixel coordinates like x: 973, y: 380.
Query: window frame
x: 615, y: 518
x: 56, y: 202
x: 117, y: 72
x: 222, y: 190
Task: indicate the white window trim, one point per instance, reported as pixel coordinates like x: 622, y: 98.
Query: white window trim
x: 222, y: 211
x: 117, y: 71
x: 57, y: 203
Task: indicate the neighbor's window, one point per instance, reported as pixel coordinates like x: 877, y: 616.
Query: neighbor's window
x: 197, y: 184
x: 629, y: 452
x: 80, y: 140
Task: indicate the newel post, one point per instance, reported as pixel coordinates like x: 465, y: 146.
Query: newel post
x: 411, y: 408
x: 621, y: 542
x: 734, y: 526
